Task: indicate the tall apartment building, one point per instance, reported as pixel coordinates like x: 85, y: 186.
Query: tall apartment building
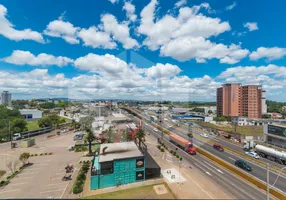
x: 238, y: 100
x: 6, y: 98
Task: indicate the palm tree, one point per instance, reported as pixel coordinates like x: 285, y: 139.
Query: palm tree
x: 89, y: 137
x: 140, y: 135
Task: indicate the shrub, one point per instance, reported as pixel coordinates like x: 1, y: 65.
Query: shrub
x: 46, y: 153
x: 77, y: 188
x: 8, y: 177
x: 31, y: 155
x: 181, y: 158
x: 177, y: 156
x: 162, y: 150
x: 158, y: 146
x: 16, y: 172
x: 50, y: 153
x: 2, y: 183
x: 24, y: 157
x: 36, y: 155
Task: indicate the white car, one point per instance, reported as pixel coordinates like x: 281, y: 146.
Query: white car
x: 204, y: 135
x: 155, y: 130
x: 252, y: 154
x: 170, y: 126
x: 165, y: 119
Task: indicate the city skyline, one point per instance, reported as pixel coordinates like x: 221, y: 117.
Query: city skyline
x: 147, y: 50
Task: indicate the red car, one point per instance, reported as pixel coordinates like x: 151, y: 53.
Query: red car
x: 218, y: 147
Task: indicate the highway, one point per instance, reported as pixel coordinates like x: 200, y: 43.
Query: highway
x: 257, y: 171
x: 233, y: 184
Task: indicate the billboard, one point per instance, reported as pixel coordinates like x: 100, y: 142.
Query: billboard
x: 277, y: 130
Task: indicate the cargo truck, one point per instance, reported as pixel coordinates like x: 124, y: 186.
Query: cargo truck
x: 271, y: 154
x: 182, y: 143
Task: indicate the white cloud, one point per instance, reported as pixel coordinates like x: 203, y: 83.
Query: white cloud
x: 7, y: 29
x: 252, y: 26
x: 62, y: 29
x: 120, y: 31
x: 184, y: 37
x: 113, y: 1
x: 96, y: 39
x: 130, y: 10
x: 180, y: 3
x: 273, y: 53
x: 161, y: 70
x: 230, y: 7
x: 186, y: 48
x: 19, y: 57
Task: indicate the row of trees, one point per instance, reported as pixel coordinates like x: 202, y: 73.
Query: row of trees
x: 17, y: 123
x: 52, y: 120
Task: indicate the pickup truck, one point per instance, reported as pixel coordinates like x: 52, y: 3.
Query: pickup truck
x: 17, y: 136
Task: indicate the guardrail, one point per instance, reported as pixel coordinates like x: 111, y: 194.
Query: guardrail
x: 226, y: 165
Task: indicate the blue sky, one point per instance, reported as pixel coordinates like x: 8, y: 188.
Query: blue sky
x: 140, y: 49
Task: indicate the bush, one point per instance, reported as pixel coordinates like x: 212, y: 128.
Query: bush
x: 178, y: 156
x: 41, y: 154
x: 2, y: 183
x: 77, y: 188
x: 36, y: 155
x: 181, y: 159
x: 50, y: 153
x: 46, y: 153
x: 8, y: 177
x: 162, y: 150
x: 16, y: 172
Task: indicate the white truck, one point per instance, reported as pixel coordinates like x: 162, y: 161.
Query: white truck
x: 271, y: 154
x: 248, y: 145
x: 17, y: 136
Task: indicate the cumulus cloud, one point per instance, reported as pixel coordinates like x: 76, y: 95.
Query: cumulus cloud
x: 273, y: 53
x: 185, y: 36
x: 7, y: 29
x: 180, y: 3
x: 230, y: 7
x: 186, y: 48
x: 96, y: 39
x: 19, y: 57
x: 130, y: 11
x: 161, y: 70
x: 62, y: 29
x: 252, y: 26
x: 120, y: 31
x: 113, y: 1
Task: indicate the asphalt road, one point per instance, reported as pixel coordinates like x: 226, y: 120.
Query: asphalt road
x: 257, y: 171
x: 233, y: 184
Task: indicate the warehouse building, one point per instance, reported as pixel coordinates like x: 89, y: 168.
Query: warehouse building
x: 275, y: 134
x: 31, y: 114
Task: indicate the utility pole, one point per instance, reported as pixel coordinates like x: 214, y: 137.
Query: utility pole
x: 267, y: 192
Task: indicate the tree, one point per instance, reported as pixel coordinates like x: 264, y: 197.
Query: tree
x: 19, y: 125
x: 56, y: 120
x: 210, y: 112
x: 140, y: 135
x: 45, y: 122
x: 86, y: 122
x: 109, y: 134
x: 170, y: 107
x: 89, y: 137
x: 24, y: 157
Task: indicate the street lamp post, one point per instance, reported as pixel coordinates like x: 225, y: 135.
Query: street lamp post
x: 268, y: 186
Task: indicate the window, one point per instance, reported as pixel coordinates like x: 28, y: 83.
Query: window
x: 106, y: 168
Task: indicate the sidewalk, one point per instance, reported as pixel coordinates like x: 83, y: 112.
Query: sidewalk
x: 187, y: 183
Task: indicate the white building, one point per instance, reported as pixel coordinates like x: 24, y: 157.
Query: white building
x: 31, y: 114
x: 6, y: 98
x: 263, y: 103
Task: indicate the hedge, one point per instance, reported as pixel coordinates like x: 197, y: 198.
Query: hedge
x: 81, y: 177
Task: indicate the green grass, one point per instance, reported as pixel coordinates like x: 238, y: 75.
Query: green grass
x: 144, y: 192
x: 67, y: 120
x: 33, y: 125
x: 243, y: 130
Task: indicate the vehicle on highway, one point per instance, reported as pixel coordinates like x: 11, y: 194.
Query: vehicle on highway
x: 204, y: 135
x: 155, y: 130
x: 252, y: 154
x: 78, y: 136
x: 182, y: 143
x: 165, y: 119
x: 17, y: 136
x: 224, y: 134
x: 169, y: 125
x: 271, y: 154
x: 218, y: 147
x: 243, y: 165
x: 248, y: 145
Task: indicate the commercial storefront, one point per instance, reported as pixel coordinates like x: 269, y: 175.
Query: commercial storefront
x: 275, y: 134
x: 117, y: 164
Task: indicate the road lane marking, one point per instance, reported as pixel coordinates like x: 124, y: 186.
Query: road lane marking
x: 52, y: 191
x: 202, y: 169
x: 9, y: 191
x: 12, y: 184
x: 53, y: 184
x: 208, y: 173
x: 24, y: 178
x: 231, y: 158
x: 214, y: 167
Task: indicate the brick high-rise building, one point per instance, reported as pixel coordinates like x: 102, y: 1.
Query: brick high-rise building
x: 238, y: 100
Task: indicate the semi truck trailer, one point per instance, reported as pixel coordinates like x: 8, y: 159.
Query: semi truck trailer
x: 270, y: 153
x: 182, y: 143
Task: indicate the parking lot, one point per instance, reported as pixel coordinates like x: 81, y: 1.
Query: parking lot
x: 44, y: 178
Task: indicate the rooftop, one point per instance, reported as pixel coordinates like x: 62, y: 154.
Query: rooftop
x: 116, y: 151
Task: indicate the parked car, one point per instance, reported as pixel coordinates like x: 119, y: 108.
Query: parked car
x: 204, y: 135
x: 155, y: 130
x: 218, y: 147
x: 170, y: 126
x: 243, y: 165
x: 252, y: 154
